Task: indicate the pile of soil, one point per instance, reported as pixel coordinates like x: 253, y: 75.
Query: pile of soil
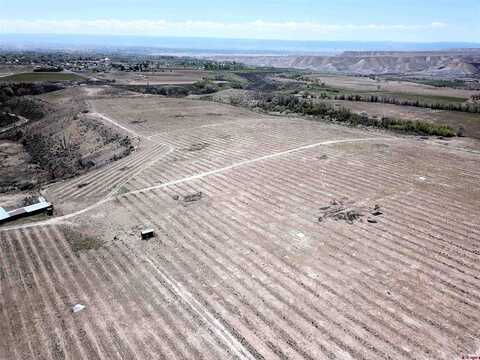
x: 344, y: 210
x: 193, y: 197
x: 197, y: 147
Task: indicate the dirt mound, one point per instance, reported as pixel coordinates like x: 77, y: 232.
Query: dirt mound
x: 197, y: 147
x: 193, y: 197
x: 347, y: 211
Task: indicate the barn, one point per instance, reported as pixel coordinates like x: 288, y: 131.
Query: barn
x: 42, y: 206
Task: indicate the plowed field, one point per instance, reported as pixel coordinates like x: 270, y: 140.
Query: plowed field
x: 246, y: 270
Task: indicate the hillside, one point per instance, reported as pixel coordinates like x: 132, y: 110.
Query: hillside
x: 445, y: 64
x: 50, y: 137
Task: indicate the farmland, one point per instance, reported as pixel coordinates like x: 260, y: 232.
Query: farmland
x: 165, y: 77
x: 367, y: 84
x: 41, y: 77
x: 245, y: 269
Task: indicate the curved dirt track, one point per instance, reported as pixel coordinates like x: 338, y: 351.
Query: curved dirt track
x: 112, y: 194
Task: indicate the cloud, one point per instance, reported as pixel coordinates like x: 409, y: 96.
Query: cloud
x: 254, y: 29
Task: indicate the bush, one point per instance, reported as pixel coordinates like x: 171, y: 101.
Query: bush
x: 205, y: 87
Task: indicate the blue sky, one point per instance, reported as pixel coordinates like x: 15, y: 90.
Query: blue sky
x: 368, y: 20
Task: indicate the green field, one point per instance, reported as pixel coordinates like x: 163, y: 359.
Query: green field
x: 41, y: 77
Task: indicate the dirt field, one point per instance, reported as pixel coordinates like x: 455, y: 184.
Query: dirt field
x: 404, y: 87
x: 153, y: 114
x: 244, y: 269
x: 167, y: 77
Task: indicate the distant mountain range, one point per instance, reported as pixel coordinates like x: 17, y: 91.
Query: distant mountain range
x: 458, y: 63
x: 195, y: 46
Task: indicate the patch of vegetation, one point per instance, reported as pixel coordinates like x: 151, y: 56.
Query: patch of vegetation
x: 8, y: 91
x: 44, y: 69
x: 23, y: 106
x: 197, y: 147
x: 202, y: 87
x: 7, y: 119
x: 455, y: 83
x: 30, y: 200
x: 122, y: 190
x: 80, y: 241
x: 269, y: 102
x: 231, y: 78
x: 224, y: 66
x: 59, y: 157
x: 41, y: 77
x: 448, y: 106
x: 59, y: 154
x: 262, y: 81
x: 316, y: 88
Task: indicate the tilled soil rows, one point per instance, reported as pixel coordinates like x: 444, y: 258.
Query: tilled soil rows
x: 241, y: 266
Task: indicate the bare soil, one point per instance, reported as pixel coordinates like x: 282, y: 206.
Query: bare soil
x: 150, y: 115
x: 247, y: 271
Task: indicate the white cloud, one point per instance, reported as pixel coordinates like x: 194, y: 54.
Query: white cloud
x: 254, y: 29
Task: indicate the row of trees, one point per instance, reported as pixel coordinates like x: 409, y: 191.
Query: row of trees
x: 270, y: 102
x: 462, y: 107
x: 224, y: 66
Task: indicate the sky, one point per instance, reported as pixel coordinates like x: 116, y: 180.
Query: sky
x: 334, y: 20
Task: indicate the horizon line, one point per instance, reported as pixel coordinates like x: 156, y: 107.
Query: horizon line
x: 242, y: 39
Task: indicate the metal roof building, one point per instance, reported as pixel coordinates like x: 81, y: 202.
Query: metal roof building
x: 41, y: 206
x: 3, y: 214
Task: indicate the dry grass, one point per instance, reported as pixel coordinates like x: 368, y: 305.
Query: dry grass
x: 80, y: 240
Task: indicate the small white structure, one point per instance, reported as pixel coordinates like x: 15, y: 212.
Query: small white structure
x: 78, y: 308
x: 147, y: 234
